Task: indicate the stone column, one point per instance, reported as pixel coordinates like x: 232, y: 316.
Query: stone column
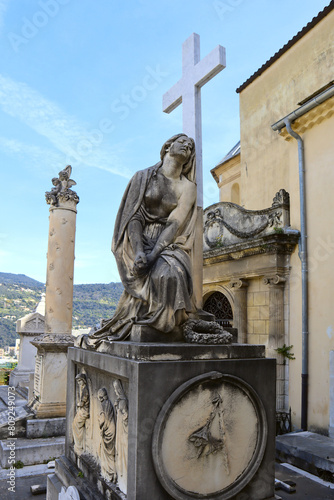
x: 239, y: 288
x: 51, y: 360
x: 277, y: 333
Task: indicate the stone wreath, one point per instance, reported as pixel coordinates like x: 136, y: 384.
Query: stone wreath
x: 198, y: 331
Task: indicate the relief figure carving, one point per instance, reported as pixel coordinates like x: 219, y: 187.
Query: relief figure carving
x: 107, y: 427
x: 82, y: 414
x: 122, y: 412
x: 210, y: 438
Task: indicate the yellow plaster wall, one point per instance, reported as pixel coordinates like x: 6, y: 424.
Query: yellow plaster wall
x: 257, y: 312
x: 301, y: 71
x: 268, y: 163
x: 228, y: 174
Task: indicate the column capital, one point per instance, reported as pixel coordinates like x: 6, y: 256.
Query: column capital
x: 276, y: 279
x: 61, y: 194
x: 237, y: 284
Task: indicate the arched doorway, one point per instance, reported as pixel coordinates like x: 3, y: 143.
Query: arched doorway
x: 219, y: 305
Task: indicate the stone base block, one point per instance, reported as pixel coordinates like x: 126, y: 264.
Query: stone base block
x: 200, y: 422
x: 31, y: 451
x: 20, y: 377
x: 48, y: 410
x: 48, y: 427
x: 147, y: 334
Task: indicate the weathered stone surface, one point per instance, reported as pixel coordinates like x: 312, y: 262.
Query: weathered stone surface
x: 179, y: 351
x: 210, y: 437
x: 48, y: 427
x: 32, y: 451
x: 150, y: 373
x: 226, y: 223
x: 152, y: 243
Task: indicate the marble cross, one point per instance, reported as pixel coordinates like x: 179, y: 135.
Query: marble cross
x: 195, y: 74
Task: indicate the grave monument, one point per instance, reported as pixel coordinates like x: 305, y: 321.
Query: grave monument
x: 160, y: 404
x: 28, y: 327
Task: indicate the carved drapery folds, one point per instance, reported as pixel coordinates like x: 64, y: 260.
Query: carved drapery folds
x: 107, y: 425
x: 100, y: 427
x: 82, y: 413
x: 226, y: 223
x: 61, y: 192
x: 121, y: 456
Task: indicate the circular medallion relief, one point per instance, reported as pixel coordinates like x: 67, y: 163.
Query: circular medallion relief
x: 209, y: 438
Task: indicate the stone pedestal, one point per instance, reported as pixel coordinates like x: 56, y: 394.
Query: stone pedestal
x: 27, y: 327
x: 50, y: 376
x: 198, y: 421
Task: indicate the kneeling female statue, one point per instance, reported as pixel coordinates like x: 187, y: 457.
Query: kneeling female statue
x: 153, y: 238
x: 152, y: 243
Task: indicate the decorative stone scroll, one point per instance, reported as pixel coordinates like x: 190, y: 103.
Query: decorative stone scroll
x: 213, y: 422
x: 274, y: 280
x: 61, y: 191
x: 226, y: 223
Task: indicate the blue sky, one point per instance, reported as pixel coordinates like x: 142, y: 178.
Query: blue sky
x: 74, y: 89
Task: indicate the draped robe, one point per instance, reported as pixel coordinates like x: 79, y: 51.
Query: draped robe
x: 161, y: 299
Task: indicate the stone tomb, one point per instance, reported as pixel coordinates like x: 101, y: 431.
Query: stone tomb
x: 169, y: 421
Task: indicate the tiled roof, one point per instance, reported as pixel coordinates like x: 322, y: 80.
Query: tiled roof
x: 285, y: 47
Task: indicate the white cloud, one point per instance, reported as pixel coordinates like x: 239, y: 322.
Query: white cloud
x: 47, y: 159
x: 80, y: 144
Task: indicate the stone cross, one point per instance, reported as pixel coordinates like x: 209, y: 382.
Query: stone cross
x: 195, y: 74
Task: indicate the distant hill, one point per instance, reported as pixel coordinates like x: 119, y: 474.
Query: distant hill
x: 20, y: 294
x: 19, y: 279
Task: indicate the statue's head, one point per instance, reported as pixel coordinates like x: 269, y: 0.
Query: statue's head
x: 81, y: 379
x: 190, y: 163
x: 102, y: 394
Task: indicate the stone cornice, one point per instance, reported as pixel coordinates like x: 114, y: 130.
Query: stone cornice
x: 279, y: 243
x: 311, y: 118
x: 224, y: 167
x: 53, y: 342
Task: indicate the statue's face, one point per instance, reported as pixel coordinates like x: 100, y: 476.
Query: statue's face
x: 181, y: 147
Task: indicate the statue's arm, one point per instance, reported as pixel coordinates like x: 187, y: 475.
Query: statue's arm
x: 175, y: 220
x: 135, y: 232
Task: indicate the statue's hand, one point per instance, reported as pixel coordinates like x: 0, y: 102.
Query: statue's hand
x: 140, y: 264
